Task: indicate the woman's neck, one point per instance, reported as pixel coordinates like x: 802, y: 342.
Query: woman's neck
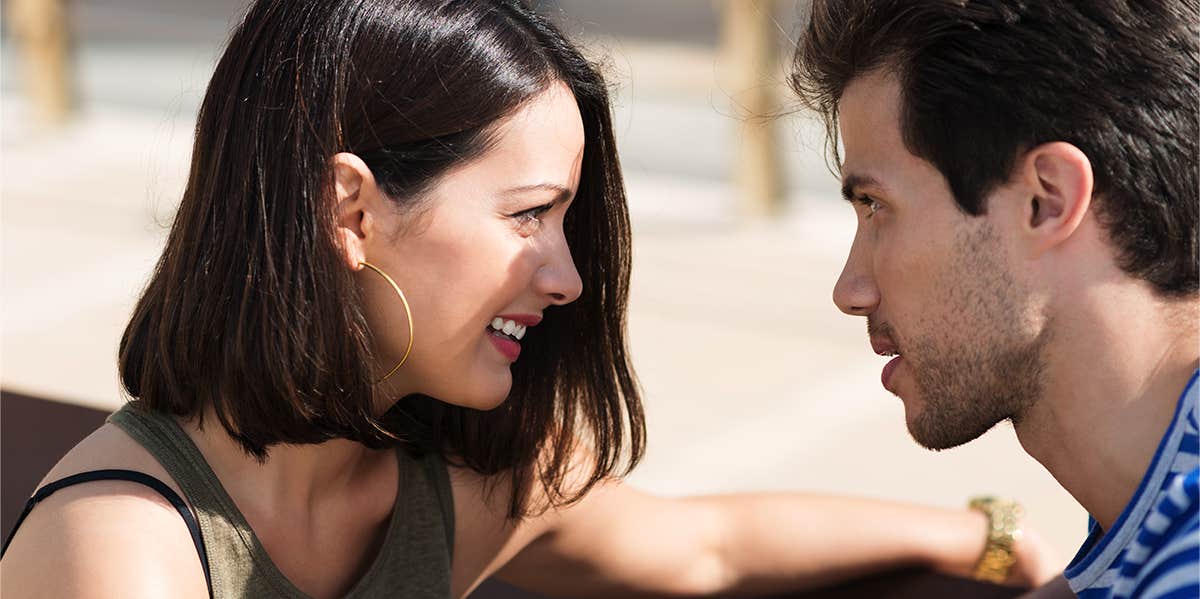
x: 329, y: 503
x: 294, y: 479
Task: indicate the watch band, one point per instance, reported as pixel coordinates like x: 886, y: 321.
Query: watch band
x: 1004, y: 530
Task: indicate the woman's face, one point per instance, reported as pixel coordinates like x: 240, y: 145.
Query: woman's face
x: 485, y: 248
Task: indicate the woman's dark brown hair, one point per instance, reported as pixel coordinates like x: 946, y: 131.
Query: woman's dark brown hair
x: 251, y: 311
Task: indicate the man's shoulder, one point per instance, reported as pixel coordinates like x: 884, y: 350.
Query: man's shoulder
x: 1160, y: 554
x: 1168, y: 544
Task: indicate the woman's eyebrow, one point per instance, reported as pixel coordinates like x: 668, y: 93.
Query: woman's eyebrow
x: 561, y: 192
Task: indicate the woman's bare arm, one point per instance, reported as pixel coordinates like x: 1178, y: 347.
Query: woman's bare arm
x: 104, y: 539
x: 621, y: 541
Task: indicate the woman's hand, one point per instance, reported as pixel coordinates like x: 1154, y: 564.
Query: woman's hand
x: 1037, y: 562
x: 1055, y: 589
x: 961, y: 540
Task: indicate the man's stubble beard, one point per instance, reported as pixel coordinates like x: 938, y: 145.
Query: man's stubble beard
x: 971, y: 366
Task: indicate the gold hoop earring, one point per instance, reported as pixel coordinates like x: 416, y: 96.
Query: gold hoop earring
x: 407, y: 312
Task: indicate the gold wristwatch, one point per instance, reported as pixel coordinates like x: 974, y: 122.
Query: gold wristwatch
x: 1004, y: 530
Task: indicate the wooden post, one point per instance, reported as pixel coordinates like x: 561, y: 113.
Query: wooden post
x: 749, y: 57
x: 40, y: 27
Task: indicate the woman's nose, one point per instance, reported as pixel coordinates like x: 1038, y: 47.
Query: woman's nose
x: 557, y: 278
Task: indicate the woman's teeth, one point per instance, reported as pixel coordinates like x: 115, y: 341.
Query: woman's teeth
x: 508, y: 327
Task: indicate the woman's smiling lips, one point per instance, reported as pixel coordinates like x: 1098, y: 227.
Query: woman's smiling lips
x: 504, y: 343
x: 510, y: 348
x: 529, y: 320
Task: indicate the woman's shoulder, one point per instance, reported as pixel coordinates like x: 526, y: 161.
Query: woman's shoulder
x: 107, y: 537
x: 107, y: 448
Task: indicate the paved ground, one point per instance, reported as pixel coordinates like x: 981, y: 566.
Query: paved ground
x: 753, y: 380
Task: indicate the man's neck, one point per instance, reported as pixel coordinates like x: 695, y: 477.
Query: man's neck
x: 1116, y: 366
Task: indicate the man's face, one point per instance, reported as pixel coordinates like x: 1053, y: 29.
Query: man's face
x: 940, y: 288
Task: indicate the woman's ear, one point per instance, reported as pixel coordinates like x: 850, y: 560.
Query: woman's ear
x: 1058, y: 181
x: 353, y: 185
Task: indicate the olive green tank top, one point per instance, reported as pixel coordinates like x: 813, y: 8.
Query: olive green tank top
x: 414, y: 561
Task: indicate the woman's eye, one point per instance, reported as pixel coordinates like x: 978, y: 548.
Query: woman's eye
x: 532, y: 216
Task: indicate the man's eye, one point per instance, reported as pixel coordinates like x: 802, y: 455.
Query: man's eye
x: 871, y: 205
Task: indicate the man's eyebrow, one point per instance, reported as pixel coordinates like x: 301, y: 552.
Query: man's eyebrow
x: 855, y: 180
x: 561, y: 192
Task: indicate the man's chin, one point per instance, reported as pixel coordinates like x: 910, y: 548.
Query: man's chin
x: 938, y: 436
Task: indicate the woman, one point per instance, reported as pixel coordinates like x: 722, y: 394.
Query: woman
x: 383, y: 351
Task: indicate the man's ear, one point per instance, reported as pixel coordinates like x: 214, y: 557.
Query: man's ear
x: 353, y: 184
x: 1057, y: 179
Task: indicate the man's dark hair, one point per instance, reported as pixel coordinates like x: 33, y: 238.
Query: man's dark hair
x: 252, y: 312
x: 983, y: 80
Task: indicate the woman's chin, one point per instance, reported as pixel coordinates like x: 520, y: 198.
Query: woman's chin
x: 486, y: 399
x: 492, y: 404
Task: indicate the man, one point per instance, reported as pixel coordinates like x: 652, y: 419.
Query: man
x: 1025, y: 180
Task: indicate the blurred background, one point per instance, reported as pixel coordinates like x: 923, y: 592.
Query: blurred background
x: 753, y: 380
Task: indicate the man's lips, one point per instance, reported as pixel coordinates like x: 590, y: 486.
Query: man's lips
x: 889, y: 369
x: 886, y: 347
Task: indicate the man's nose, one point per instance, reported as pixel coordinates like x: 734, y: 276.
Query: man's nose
x: 856, y: 293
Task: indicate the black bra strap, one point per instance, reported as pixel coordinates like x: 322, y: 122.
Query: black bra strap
x: 125, y: 475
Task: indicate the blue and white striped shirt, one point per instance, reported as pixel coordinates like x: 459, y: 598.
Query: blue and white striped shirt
x: 1153, y: 549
